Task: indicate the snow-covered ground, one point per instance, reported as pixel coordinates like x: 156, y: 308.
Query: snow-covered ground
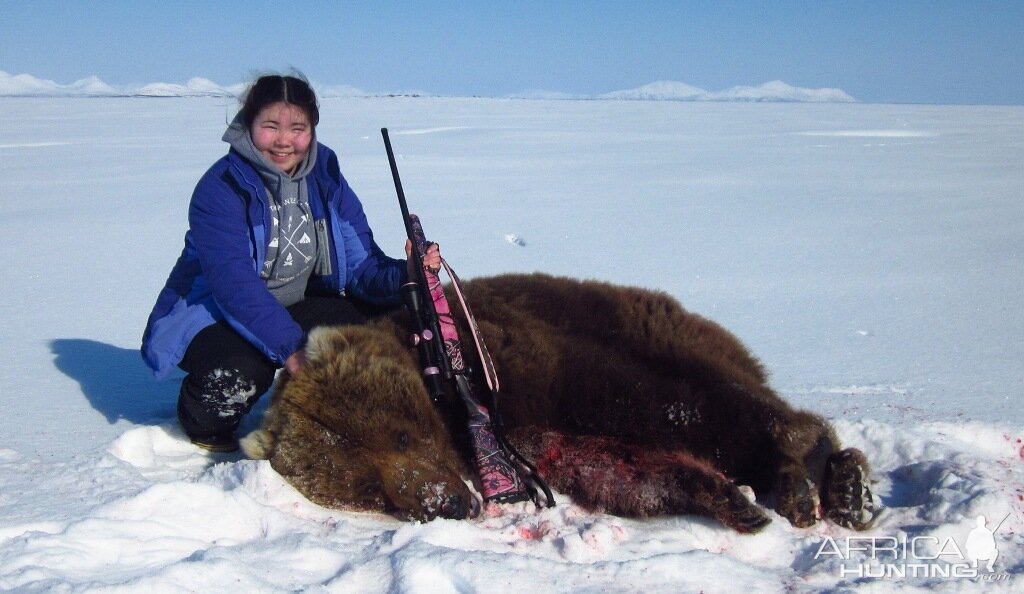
x: 871, y: 255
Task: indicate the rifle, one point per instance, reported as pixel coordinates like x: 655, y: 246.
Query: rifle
x: 501, y: 468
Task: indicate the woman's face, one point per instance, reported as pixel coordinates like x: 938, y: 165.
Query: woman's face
x: 282, y: 133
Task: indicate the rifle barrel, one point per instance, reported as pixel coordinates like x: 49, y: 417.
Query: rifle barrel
x: 426, y: 303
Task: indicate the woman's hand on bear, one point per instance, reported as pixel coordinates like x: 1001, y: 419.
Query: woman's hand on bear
x: 295, y: 361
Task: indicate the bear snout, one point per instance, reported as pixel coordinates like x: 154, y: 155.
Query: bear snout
x: 455, y: 507
x: 422, y: 490
x: 437, y: 500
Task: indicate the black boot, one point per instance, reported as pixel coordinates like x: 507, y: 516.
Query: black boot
x: 211, y: 406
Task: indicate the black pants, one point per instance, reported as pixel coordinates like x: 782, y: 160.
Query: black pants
x: 227, y: 374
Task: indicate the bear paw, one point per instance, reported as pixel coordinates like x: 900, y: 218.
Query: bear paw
x: 733, y: 509
x: 797, y: 498
x: 848, y: 499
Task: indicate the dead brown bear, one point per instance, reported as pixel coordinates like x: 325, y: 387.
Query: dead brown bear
x: 625, y: 401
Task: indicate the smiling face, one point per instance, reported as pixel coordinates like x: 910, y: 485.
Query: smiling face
x: 283, y: 134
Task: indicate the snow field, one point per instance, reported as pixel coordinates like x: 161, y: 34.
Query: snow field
x: 868, y: 254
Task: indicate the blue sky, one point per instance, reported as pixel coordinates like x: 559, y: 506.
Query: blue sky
x: 922, y: 51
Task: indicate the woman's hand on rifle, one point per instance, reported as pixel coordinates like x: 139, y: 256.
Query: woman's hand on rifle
x: 431, y: 261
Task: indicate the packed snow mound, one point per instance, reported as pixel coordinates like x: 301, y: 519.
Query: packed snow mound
x: 217, y: 521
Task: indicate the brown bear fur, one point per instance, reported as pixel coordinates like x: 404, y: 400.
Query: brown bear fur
x: 626, y: 402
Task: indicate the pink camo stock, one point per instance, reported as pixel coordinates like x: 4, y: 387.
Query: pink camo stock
x: 498, y: 478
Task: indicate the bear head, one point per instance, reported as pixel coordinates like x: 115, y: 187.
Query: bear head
x: 356, y: 428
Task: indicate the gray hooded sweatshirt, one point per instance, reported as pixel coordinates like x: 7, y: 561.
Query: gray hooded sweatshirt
x: 292, y: 253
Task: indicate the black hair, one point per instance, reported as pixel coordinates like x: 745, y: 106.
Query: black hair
x: 273, y: 88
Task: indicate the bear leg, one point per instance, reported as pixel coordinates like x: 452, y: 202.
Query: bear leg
x: 807, y: 447
x: 627, y: 480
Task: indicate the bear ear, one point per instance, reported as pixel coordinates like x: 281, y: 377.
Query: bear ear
x: 324, y: 342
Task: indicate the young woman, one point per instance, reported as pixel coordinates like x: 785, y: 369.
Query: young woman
x: 277, y: 244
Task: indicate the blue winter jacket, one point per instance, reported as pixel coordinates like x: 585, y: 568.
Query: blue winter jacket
x: 217, y: 276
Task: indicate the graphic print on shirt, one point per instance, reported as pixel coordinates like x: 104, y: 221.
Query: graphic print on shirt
x: 291, y: 250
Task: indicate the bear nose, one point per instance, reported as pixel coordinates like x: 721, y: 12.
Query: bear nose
x: 455, y: 508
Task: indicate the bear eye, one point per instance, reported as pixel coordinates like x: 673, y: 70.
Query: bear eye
x: 371, y: 489
x: 403, y: 441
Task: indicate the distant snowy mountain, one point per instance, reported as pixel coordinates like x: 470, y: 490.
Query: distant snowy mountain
x: 337, y: 91
x: 775, y: 91
x: 664, y: 90
x: 26, y: 85
x: 195, y: 87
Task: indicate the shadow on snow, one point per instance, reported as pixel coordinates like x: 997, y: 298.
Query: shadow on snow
x: 115, y: 381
